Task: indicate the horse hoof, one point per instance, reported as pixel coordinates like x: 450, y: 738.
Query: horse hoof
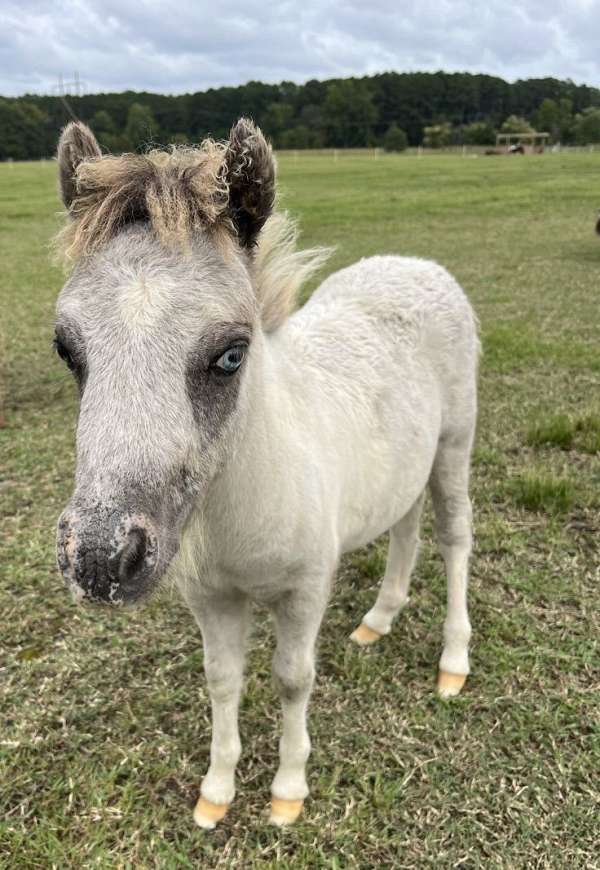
x: 284, y: 812
x: 207, y: 814
x: 364, y: 636
x: 449, y: 685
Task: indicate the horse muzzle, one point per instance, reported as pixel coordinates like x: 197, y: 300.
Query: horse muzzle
x: 108, y: 556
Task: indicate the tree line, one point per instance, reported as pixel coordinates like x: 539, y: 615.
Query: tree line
x: 390, y: 110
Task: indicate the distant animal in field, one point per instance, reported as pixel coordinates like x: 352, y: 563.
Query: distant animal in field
x: 598, y: 224
x: 516, y: 149
x: 239, y: 448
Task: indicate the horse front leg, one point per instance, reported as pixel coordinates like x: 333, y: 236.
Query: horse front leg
x: 224, y: 624
x: 298, y: 616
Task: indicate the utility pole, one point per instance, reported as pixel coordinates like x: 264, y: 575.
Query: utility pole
x: 64, y: 88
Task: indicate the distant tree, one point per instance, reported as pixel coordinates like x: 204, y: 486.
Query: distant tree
x: 101, y: 122
x: 141, y: 128
x: 278, y: 119
x: 395, y: 139
x: 349, y: 113
x: 22, y: 131
x: 478, y: 133
x: 587, y: 126
x: 311, y: 116
x: 338, y: 113
x: 105, y: 131
x: 547, y: 119
x: 33, y: 122
x: 437, y: 136
x: 300, y: 137
x: 555, y: 117
x: 515, y: 124
x: 566, y: 119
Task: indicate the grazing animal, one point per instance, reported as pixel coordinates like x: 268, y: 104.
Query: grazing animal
x: 240, y: 448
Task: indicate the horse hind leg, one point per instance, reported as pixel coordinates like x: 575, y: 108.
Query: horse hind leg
x: 449, y: 484
x: 393, y: 593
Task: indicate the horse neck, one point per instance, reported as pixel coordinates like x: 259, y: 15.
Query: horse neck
x: 255, y: 470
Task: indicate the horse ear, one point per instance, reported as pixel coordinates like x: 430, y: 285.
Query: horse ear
x: 76, y: 143
x: 250, y: 173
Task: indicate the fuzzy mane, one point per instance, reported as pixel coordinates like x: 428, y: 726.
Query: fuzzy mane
x: 180, y: 192
x: 280, y: 270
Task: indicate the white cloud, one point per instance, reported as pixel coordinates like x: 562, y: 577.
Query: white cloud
x: 191, y: 46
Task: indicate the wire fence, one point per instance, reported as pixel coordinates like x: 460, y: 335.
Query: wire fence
x: 457, y: 150
x: 336, y: 154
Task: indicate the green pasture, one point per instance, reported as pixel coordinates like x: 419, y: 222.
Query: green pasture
x: 104, y: 717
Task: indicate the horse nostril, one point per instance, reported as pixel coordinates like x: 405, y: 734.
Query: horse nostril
x: 132, y: 555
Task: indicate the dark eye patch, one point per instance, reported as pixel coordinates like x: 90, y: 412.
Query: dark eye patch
x: 214, y: 396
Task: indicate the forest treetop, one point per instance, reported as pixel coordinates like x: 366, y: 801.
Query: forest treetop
x: 390, y: 109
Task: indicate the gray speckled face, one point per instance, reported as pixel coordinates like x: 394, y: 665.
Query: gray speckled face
x: 159, y: 344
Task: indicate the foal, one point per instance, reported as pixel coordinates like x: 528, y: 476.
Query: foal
x: 241, y: 448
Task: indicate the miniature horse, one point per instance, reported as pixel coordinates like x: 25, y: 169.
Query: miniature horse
x: 238, y: 447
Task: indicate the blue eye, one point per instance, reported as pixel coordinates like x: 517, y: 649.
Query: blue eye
x: 230, y: 361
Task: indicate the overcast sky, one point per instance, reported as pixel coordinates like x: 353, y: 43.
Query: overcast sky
x: 185, y: 46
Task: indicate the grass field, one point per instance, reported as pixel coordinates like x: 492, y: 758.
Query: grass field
x: 104, y: 717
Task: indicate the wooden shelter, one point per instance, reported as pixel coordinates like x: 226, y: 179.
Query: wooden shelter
x: 525, y: 143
